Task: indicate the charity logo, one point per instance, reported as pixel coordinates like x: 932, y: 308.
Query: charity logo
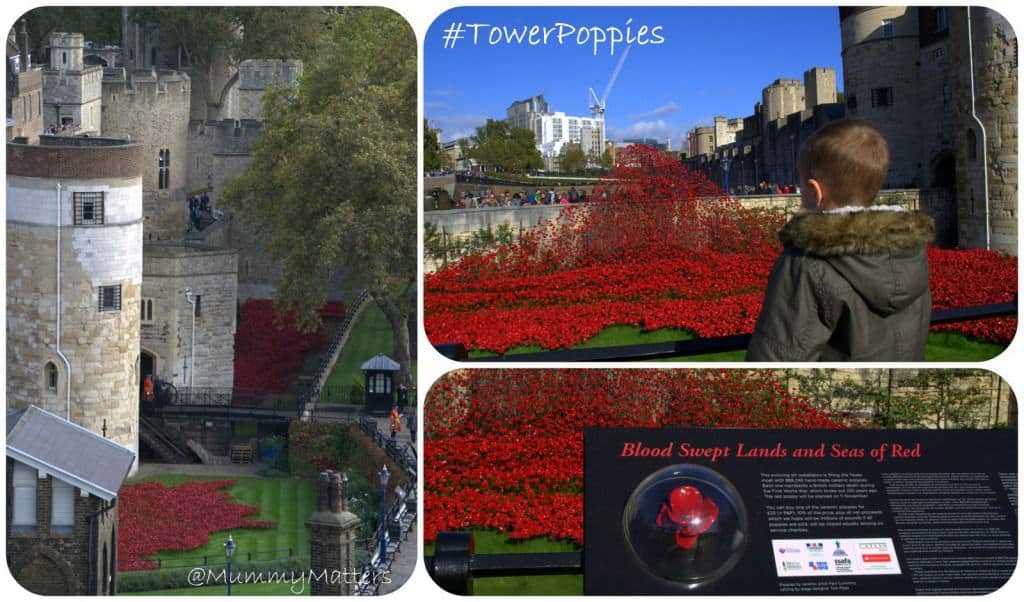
x: 867, y: 558
x: 843, y: 565
x: 815, y: 548
x: 874, y: 546
x: 839, y: 551
x: 791, y: 566
x: 789, y: 551
x: 817, y: 565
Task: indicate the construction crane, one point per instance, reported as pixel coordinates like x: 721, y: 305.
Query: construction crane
x: 597, y: 104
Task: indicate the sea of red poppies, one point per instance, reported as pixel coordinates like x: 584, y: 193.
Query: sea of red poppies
x: 154, y: 517
x: 266, y: 351
x: 664, y: 249
x: 504, y: 448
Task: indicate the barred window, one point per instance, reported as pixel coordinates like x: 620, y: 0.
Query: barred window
x: 881, y: 97
x: 888, y: 29
x: 110, y: 298
x: 88, y: 208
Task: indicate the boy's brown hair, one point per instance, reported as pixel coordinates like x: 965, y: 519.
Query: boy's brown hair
x: 850, y: 157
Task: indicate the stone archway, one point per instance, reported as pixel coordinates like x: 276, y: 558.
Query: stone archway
x: 47, y: 573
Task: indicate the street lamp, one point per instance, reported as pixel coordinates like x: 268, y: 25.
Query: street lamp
x: 229, y: 552
x: 383, y: 475
x: 726, y: 162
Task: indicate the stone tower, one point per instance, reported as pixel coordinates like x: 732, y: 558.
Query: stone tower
x: 332, y: 543
x: 71, y: 89
x: 781, y: 99
x: 991, y: 45
x: 819, y: 87
x: 74, y: 276
x: 152, y: 107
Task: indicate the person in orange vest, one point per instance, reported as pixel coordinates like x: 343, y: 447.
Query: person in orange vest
x: 396, y: 422
x: 147, y: 388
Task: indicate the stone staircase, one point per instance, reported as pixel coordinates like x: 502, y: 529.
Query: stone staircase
x: 162, y: 443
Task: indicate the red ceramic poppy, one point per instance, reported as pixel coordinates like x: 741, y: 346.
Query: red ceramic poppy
x: 689, y: 512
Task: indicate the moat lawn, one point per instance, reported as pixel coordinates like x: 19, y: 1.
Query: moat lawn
x: 287, y: 502
x: 371, y: 334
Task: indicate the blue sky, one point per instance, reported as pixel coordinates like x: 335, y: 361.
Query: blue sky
x: 712, y: 61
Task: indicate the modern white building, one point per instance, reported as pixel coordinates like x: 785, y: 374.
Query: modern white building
x: 554, y: 130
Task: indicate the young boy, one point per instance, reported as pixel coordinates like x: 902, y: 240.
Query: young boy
x: 852, y: 280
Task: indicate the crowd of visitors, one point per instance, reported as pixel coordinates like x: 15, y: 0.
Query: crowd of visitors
x: 198, y: 206
x: 764, y: 187
x: 521, y: 198
x: 64, y: 128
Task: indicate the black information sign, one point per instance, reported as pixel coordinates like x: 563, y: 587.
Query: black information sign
x: 737, y: 511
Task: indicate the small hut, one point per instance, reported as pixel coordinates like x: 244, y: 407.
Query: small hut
x: 379, y: 373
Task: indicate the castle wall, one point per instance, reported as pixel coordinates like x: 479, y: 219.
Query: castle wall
x: 154, y: 110
x: 255, y: 76
x: 211, y: 274
x: 102, y: 346
x: 27, y: 107
x: 74, y: 95
x: 995, y: 75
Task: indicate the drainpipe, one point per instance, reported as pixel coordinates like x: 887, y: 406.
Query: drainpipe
x: 192, y: 356
x: 60, y: 354
x: 981, y: 128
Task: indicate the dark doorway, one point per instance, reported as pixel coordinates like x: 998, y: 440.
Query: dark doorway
x: 147, y: 364
x: 941, y: 201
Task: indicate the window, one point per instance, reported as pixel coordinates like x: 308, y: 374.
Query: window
x: 165, y: 166
x: 941, y: 19
x: 146, y: 310
x: 199, y: 306
x: 888, y: 28
x: 24, y: 495
x: 52, y: 376
x: 64, y: 58
x: 62, y: 505
x: 972, y: 145
x: 881, y: 97
x: 88, y: 208
x: 380, y: 383
x: 110, y: 298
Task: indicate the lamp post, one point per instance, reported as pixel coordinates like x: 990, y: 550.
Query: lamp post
x: 229, y: 552
x: 383, y: 475
x: 726, y: 162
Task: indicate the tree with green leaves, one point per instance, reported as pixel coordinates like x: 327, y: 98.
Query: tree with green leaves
x: 101, y: 24
x: 572, y: 159
x: 507, y: 148
x: 332, y: 180
x: 433, y: 157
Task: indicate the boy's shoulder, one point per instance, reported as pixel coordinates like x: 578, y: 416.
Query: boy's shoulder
x: 858, y: 231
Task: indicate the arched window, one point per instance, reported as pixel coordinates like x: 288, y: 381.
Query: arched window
x: 972, y: 145
x: 52, y: 376
x: 64, y: 58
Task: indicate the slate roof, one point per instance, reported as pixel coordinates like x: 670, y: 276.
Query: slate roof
x: 381, y: 362
x: 68, y: 452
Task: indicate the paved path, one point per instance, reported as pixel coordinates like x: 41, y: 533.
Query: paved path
x: 404, y: 563
x: 403, y: 436
x: 202, y: 470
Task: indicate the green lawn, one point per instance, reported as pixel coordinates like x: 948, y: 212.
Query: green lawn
x: 942, y: 346
x: 490, y: 542
x: 371, y: 334
x: 288, y: 502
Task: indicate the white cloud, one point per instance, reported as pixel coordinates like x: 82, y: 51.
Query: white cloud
x: 658, y: 129
x: 436, y: 106
x: 457, y: 126
x: 665, y: 109
x: 446, y: 91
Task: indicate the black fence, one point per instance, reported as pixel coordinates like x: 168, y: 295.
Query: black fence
x: 455, y: 564
x: 216, y: 560
x: 312, y: 396
x: 691, y: 347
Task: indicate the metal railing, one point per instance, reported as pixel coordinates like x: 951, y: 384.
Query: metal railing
x: 455, y: 565
x: 700, y: 346
x: 214, y: 560
x: 311, y: 398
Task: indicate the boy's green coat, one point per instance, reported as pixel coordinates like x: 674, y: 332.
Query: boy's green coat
x: 849, y: 285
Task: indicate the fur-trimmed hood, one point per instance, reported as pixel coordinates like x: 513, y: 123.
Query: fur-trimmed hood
x: 858, y: 232
x: 879, y: 251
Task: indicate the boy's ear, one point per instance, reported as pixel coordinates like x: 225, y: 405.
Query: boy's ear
x: 817, y: 190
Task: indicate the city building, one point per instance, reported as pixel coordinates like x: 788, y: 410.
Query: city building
x: 62, y: 487
x: 521, y: 113
x: 554, y: 130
